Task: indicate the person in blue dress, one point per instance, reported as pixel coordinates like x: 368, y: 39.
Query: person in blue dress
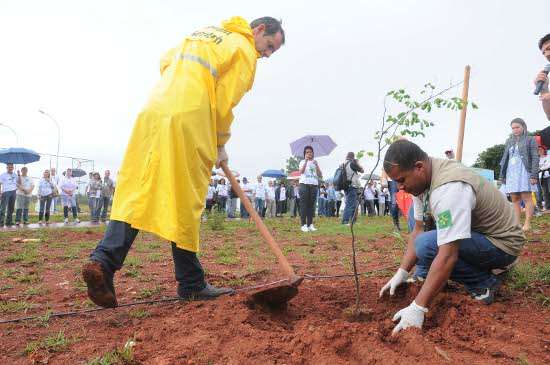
x: 519, y: 169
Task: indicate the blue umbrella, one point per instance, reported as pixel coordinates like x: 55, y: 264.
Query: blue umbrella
x: 273, y: 173
x: 322, y: 145
x: 18, y: 155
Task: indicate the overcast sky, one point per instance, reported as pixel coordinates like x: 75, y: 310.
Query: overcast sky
x: 92, y: 64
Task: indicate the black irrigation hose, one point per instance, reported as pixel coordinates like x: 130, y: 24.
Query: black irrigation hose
x: 175, y: 299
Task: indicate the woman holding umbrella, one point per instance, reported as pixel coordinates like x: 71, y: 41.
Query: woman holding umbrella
x: 310, y: 173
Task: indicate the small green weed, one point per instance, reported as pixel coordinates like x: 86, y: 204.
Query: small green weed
x: 54, y: 343
x: 14, y: 307
x: 216, y: 221
x: 139, y: 313
x: 148, y: 293
x: 227, y: 255
x: 123, y: 356
x: 155, y: 257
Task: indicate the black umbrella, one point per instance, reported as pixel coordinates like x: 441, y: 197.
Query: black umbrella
x: 78, y: 173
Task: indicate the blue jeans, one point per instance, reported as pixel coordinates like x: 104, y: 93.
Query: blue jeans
x: 477, y: 256
x: 7, y: 206
x: 111, y: 252
x: 351, y: 204
x: 411, y: 222
x: 260, y: 203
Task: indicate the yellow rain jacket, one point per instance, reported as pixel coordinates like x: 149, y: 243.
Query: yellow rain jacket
x: 163, y: 180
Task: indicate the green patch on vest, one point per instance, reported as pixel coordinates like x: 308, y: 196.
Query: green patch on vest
x: 444, y: 220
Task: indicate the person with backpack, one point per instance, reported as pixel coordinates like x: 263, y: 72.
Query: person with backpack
x: 352, y: 169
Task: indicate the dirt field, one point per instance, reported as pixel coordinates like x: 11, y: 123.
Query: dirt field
x: 42, y: 278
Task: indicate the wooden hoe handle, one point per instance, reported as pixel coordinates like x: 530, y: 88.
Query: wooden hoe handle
x: 283, y: 263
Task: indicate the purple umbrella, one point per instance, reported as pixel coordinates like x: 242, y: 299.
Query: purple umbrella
x: 322, y: 145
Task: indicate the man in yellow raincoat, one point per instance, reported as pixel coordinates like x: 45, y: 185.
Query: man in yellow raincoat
x: 177, y: 138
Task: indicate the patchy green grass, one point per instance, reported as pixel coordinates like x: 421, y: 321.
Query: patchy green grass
x: 14, y: 307
x: 119, y: 356
x: 529, y: 278
x: 526, y: 275
x: 53, y: 343
x: 133, y: 261
x: 29, y: 255
x: 148, y: 293
x: 34, y: 291
x: 227, y: 254
x: 155, y: 257
x: 139, y: 313
x: 28, y: 278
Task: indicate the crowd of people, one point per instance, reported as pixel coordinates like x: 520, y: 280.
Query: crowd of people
x: 305, y: 196
x: 53, y: 192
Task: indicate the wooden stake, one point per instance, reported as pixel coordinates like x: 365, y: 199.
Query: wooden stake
x: 465, y: 88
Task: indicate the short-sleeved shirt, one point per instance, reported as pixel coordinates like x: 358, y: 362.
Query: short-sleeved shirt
x: 309, y: 176
x: 381, y: 197
x: 94, y: 189
x: 369, y: 194
x: 8, y: 181
x: 260, y: 190
x: 108, y: 187
x: 45, y: 187
x: 211, y: 192
x: 69, y: 184
x: 271, y: 192
x: 282, y: 194
x: 451, y: 206
x: 221, y: 189
x: 25, y: 184
x: 248, y: 189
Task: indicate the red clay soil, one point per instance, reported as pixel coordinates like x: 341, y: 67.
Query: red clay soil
x: 312, y: 330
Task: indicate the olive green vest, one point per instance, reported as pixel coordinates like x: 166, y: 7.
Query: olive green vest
x: 493, y: 215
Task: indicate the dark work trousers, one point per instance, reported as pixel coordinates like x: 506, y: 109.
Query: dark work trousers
x: 308, y: 195
x: 7, y: 203
x: 296, y: 209
x: 44, y: 211
x: 338, y: 205
x: 119, y: 236
x: 104, y: 207
x: 545, y: 184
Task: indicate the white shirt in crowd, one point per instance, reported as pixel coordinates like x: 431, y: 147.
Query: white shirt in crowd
x: 296, y: 192
x: 260, y: 190
x: 248, y: 189
x: 45, y: 187
x: 451, y: 206
x: 271, y: 192
x: 211, y: 192
x: 8, y: 181
x: 369, y: 193
x: 310, y: 173
x: 222, y: 189
x: 381, y: 197
x: 26, y: 186
x: 282, y: 196
x: 544, y: 164
x: 67, y: 184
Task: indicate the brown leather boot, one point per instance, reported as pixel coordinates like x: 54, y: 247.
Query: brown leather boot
x: 101, y: 290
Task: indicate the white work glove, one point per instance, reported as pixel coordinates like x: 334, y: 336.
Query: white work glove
x: 399, y: 278
x: 412, y: 316
x: 222, y: 156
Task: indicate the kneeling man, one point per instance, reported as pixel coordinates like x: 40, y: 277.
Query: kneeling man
x: 475, y: 236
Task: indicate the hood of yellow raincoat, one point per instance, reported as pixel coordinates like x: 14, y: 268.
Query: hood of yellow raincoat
x: 239, y: 25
